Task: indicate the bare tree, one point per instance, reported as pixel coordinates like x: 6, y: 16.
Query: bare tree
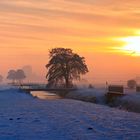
x: 64, y: 66
x: 16, y: 76
x: 1, y: 78
x: 20, y: 76
x: 11, y: 75
x: 27, y: 70
x: 131, y: 84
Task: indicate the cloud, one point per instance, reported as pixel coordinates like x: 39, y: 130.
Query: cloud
x: 57, y: 22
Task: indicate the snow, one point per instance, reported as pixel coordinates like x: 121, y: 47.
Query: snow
x: 90, y: 95
x: 23, y: 117
x: 130, y: 102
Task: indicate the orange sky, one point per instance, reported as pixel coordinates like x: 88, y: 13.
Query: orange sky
x: 92, y: 28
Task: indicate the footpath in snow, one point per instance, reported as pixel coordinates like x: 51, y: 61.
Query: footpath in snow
x: 25, y: 118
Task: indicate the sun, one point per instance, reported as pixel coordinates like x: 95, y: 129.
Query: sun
x: 131, y: 45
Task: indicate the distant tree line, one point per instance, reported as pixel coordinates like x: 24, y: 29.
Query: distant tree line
x: 16, y: 76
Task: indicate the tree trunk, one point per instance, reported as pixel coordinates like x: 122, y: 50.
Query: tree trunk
x: 67, y: 83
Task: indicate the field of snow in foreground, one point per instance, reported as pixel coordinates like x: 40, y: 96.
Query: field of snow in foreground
x: 25, y: 118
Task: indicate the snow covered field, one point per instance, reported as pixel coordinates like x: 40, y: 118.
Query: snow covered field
x: 25, y: 118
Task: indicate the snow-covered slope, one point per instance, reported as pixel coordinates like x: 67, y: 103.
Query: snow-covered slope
x: 25, y: 118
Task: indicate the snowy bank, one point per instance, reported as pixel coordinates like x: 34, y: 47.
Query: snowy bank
x: 25, y: 118
x: 129, y: 102
x: 89, y: 95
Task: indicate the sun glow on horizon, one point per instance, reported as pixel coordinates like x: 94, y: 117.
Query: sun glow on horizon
x: 132, y: 45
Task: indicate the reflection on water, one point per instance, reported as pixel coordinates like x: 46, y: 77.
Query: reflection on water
x: 45, y: 95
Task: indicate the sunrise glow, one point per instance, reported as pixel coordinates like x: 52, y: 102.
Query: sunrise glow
x: 132, y: 45
x: 100, y: 30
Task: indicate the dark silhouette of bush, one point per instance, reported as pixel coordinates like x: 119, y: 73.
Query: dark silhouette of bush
x: 64, y: 66
x: 131, y: 84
